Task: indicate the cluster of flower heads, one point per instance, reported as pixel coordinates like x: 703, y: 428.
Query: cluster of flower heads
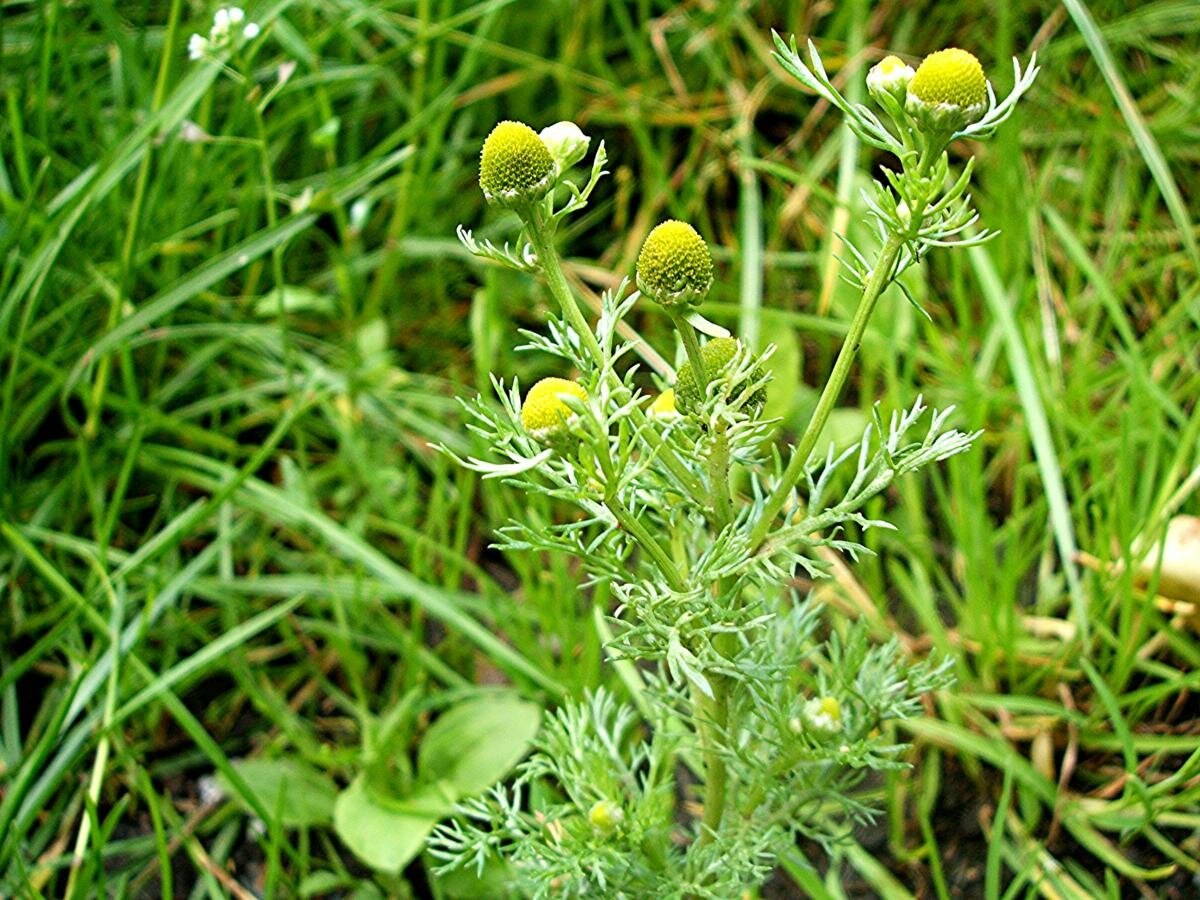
x: 518, y: 167
x: 229, y: 26
x: 947, y: 92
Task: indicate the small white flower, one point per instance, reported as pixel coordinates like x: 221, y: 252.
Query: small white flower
x: 220, y: 26
x: 197, y: 47
x: 360, y: 209
x: 251, y: 31
x: 236, y: 15
x: 304, y: 200
x: 286, y: 71
x: 210, y: 790
x: 191, y: 133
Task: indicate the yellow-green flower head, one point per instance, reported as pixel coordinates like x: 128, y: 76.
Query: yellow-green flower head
x: 890, y: 76
x: 717, y: 354
x: 948, y: 91
x: 663, y: 406
x: 515, y: 166
x: 605, y: 816
x: 544, y: 413
x: 674, y: 267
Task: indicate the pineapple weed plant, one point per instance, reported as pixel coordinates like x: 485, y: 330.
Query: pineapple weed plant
x: 700, y: 525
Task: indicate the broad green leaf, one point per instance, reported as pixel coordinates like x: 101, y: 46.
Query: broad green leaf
x: 321, y: 882
x: 473, y: 745
x: 299, y: 793
x: 385, y: 833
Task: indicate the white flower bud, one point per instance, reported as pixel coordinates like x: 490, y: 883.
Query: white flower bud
x: 197, y: 46
x: 566, y: 143
x: 890, y: 76
x: 251, y: 31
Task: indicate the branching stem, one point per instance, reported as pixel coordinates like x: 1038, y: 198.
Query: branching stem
x: 880, y: 277
x: 556, y: 280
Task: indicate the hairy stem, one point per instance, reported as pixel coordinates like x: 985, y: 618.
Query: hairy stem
x: 712, y: 714
x: 718, y: 477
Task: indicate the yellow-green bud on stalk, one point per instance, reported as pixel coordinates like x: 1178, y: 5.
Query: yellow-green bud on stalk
x: 947, y: 92
x: 675, y: 267
x: 890, y: 77
x: 515, y: 167
x: 605, y: 817
x: 566, y: 143
x: 717, y: 355
x: 544, y: 413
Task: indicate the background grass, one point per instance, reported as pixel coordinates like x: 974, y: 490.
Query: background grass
x: 223, y: 362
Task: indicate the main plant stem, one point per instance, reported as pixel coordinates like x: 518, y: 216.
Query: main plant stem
x: 880, y: 277
x: 712, y: 713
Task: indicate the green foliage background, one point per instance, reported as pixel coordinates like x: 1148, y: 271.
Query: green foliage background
x: 224, y: 531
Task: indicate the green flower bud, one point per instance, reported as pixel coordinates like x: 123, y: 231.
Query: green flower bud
x: 717, y: 354
x: 515, y: 167
x: 824, y: 714
x: 566, y: 143
x: 605, y: 817
x: 674, y: 267
x: 948, y: 91
x: 890, y: 76
x: 544, y: 414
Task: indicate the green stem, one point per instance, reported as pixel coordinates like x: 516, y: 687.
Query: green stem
x: 879, y: 279
x: 691, y: 346
x: 718, y: 478
x: 716, y: 773
x: 658, y: 553
x: 633, y: 525
x: 556, y: 280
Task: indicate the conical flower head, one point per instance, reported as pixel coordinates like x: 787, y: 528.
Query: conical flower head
x: 515, y: 166
x: 717, y: 354
x: 544, y: 413
x: 675, y: 267
x: 948, y: 91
